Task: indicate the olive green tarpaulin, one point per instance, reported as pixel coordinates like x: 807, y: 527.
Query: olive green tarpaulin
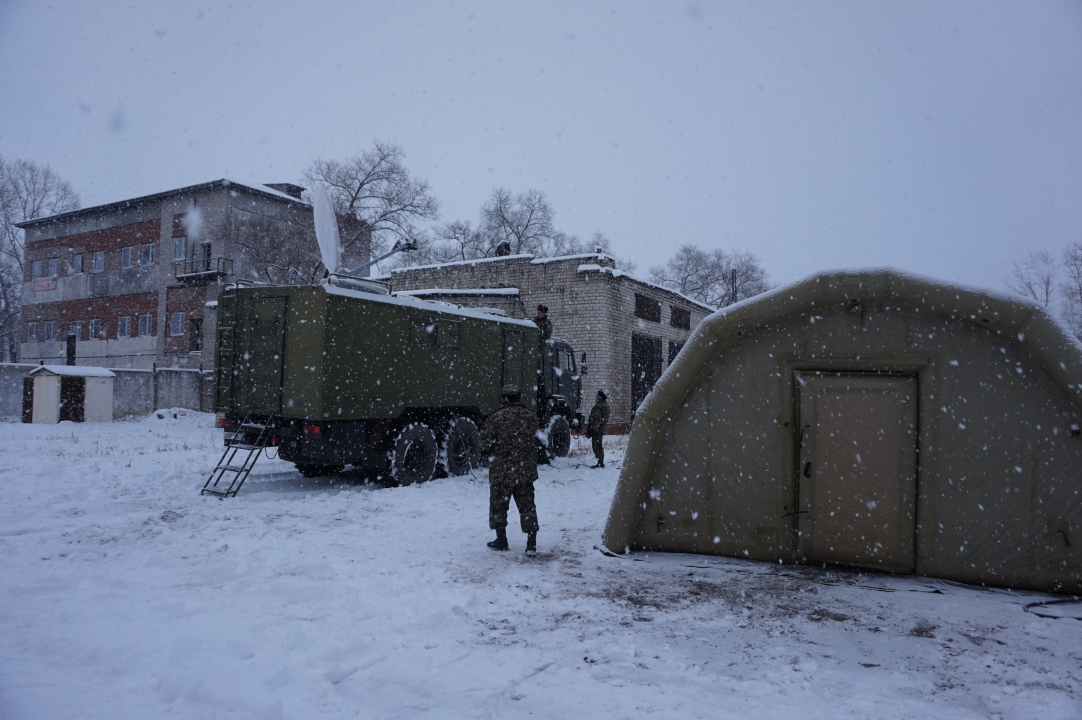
x: 873, y: 419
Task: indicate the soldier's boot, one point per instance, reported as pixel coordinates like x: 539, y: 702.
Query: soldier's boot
x: 531, y: 542
x: 500, y: 543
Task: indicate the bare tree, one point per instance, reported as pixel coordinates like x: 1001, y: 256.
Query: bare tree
x: 1036, y: 277
x: 515, y: 224
x: 1071, y: 289
x: 716, y: 278
x: 277, y: 251
x: 524, y: 221
x: 376, y: 197
x: 28, y: 190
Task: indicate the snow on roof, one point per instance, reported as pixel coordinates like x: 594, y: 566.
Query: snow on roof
x: 423, y: 305
x: 73, y: 370
x: 211, y: 304
x: 260, y: 187
x: 461, y: 262
x: 542, y: 261
x: 533, y: 261
x: 224, y: 182
x: 590, y: 267
x: 452, y: 291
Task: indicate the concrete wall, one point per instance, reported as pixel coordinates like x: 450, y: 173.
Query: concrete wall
x: 179, y: 388
x: 135, y: 392
x: 11, y: 389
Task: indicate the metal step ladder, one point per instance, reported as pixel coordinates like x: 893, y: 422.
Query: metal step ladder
x: 251, y: 438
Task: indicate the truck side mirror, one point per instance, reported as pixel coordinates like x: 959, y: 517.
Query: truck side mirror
x: 582, y: 365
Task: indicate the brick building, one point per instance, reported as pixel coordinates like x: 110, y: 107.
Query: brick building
x: 630, y: 330
x: 136, y: 281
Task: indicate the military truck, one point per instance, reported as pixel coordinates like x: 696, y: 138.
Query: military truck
x: 344, y: 373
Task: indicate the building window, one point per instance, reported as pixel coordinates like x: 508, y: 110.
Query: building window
x: 180, y: 247
x: 31, y: 332
x: 176, y: 323
x: 127, y: 259
x: 674, y: 350
x: 35, y: 270
x: 98, y: 264
x: 206, y: 257
x: 54, y: 267
x: 647, y: 308
x: 148, y: 254
x: 50, y: 331
x: 94, y: 332
x: 146, y: 323
x: 680, y: 318
x: 195, y: 335
x: 123, y: 327
x: 76, y: 329
x: 77, y: 265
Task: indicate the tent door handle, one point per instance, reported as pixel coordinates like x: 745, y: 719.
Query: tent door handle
x: 807, y: 469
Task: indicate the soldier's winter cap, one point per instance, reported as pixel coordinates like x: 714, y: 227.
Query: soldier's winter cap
x: 603, y: 393
x: 543, y: 308
x: 510, y: 391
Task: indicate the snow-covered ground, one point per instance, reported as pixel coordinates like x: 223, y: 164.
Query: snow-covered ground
x: 125, y: 594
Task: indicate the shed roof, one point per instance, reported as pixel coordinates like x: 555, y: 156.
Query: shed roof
x: 72, y: 370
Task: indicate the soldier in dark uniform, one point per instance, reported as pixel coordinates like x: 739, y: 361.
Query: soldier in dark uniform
x: 543, y: 323
x: 595, y: 426
x: 508, y: 440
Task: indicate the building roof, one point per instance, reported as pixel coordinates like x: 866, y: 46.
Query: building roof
x: 452, y: 291
x: 189, y: 190
x: 590, y: 267
x: 584, y: 266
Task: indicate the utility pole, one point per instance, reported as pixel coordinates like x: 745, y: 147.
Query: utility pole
x: 733, y: 297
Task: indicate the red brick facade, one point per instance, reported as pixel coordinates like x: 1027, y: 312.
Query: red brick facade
x: 106, y: 309
x: 111, y: 241
x: 190, y: 301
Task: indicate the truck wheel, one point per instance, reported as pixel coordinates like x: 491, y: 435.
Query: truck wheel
x: 559, y: 433
x: 461, y: 446
x: 413, y: 459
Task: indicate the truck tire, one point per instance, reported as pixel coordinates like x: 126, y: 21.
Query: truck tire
x: 461, y: 446
x: 413, y: 459
x: 559, y: 433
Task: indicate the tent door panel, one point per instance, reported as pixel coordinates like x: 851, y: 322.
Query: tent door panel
x: 645, y: 367
x: 857, y: 470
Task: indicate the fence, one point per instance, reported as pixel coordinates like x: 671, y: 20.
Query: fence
x: 135, y: 392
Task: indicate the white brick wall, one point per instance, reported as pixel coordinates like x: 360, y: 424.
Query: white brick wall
x: 594, y: 310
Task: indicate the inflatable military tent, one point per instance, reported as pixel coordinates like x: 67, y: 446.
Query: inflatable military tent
x: 871, y: 419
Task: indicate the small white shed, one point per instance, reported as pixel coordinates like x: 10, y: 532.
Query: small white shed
x: 52, y: 393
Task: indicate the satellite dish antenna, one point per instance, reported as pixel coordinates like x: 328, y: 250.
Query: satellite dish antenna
x: 330, y: 243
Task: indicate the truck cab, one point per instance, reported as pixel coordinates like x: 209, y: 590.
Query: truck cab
x: 559, y: 395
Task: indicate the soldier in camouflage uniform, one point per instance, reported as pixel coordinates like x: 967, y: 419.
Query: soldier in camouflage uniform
x: 508, y: 440
x: 543, y: 323
x: 595, y: 426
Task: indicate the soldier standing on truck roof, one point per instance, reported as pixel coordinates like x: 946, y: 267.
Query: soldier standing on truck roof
x: 508, y: 440
x: 543, y: 323
x: 595, y: 426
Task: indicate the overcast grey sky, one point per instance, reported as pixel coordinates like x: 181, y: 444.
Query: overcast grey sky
x: 939, y: 137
